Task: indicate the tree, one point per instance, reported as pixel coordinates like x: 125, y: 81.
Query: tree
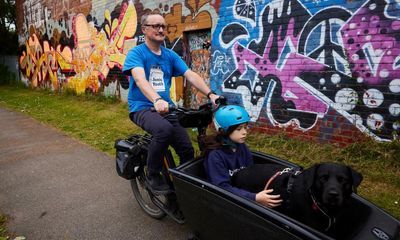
x: 8, y: 33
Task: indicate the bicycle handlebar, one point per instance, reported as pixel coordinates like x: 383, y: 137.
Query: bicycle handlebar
x: 196, y: 118
x: 221, y: 101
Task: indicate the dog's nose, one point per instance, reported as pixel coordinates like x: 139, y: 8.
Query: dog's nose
x: 333, y: 193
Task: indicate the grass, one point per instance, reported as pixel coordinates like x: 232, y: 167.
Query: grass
x: 3, y: 230
x: 98, y: 121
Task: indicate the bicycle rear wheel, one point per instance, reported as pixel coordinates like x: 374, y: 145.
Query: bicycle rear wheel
x: 145, y: 197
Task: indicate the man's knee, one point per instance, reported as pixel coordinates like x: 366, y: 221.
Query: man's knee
x: 163, y: 132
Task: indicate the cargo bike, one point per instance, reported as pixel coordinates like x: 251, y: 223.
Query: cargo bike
x: 214, y: 213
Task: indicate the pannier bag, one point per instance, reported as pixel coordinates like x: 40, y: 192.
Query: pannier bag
x: 130, y: 156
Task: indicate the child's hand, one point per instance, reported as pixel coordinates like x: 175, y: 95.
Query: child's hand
x: 267, y: 199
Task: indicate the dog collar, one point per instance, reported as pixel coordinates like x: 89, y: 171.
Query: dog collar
x: 293, y: 171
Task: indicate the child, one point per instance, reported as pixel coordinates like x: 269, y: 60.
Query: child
x: 226, y: 154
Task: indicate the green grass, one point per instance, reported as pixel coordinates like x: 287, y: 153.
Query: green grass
x: 98, y: 121
x: 3, y: 231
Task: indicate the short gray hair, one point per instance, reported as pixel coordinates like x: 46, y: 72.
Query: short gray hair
x: 143, y: 20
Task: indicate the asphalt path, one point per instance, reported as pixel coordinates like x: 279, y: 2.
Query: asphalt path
x: 55, y: 187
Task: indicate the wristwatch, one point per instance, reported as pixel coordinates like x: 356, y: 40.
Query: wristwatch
x: 157, y: 99
x: 209, y: 93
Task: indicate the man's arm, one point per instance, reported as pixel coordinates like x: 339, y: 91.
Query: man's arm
x: 199, y: 83
x: 148, y: 91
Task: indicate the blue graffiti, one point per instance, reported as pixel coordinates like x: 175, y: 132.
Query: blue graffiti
x: 256, y: 40
x: 393, y: 9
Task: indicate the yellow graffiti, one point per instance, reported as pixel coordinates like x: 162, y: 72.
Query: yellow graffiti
x: 39, y: 62
x: 86, y: 66
x: 95, y: 53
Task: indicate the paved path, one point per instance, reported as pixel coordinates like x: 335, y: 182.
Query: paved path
x: 54, y: 187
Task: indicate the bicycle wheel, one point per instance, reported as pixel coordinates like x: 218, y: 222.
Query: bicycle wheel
x: 145, y: 198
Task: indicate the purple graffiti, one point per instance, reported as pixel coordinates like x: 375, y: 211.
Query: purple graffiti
x: 372, y: 43
x: 345, y: 62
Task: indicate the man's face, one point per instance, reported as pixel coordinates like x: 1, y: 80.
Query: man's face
x: 154, y: 28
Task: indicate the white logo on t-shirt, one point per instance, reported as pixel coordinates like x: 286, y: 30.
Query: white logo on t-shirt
x: 156, y: 78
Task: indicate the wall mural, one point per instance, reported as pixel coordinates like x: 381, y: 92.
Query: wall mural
x: 292, y: 62
x: 200, y: 63
x: 82, y: 48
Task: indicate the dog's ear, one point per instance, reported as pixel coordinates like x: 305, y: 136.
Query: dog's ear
x: 309, y: 176
x: 357, y: 178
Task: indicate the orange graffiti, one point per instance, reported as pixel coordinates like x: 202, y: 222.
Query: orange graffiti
x: 39, y: 62
x: 176, y: 26
x: 84, y: 65
x: 200, y: 65
x: 95, y: 53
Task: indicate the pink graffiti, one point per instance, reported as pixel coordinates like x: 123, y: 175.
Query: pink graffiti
x: 295, y: 64
x: 369, y: 38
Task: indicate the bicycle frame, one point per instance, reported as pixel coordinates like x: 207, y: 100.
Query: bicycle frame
x: 167, y: 204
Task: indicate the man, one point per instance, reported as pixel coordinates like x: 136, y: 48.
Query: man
x: 151, y: 68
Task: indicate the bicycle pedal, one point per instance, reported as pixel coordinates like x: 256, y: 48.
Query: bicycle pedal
x: 159, y: 192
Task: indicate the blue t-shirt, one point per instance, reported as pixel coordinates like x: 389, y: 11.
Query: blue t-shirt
x: 222, y: 163
x: 159, y: 70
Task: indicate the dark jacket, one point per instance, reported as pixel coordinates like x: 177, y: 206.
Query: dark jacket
x: 222, y: 163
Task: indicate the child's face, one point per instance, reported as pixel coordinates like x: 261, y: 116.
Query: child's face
x: 239, y: 134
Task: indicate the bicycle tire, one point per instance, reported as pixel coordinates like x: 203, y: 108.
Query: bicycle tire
x: 144, y: 197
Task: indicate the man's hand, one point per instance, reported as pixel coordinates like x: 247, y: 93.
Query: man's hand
x: 213, y: 98
x: 161, y: 106
x: 268, y: 200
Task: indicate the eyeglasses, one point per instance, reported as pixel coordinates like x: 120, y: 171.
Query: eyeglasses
x: 156, y: 26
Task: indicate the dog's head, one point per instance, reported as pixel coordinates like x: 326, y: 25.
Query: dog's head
x: 332, y: 183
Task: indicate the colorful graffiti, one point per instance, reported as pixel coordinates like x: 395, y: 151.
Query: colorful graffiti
x: 85, y: 65
x: 199, y: 63
x: 82, y: 47
x: 292, y: 62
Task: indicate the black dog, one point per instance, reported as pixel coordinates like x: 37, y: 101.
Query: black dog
x: 318, y: 196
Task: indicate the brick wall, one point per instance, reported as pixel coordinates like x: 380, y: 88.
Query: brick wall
x: 325, y: 71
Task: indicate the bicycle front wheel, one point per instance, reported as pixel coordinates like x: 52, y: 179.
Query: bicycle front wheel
x: 145, y: 197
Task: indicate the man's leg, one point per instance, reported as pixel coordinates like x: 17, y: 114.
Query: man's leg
x: 180, y: 141
x: 161, y: 131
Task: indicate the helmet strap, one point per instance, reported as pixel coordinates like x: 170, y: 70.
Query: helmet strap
x: 227, y: 142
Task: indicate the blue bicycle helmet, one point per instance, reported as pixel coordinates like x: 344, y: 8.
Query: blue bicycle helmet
x: 230, y: 115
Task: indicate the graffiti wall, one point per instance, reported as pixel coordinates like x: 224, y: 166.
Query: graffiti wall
x: 323, y: 70
x: 199, y: 61
x: 80, y: 46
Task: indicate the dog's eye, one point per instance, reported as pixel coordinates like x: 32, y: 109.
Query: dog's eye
x: 324, y: 177
x: 341, y: 179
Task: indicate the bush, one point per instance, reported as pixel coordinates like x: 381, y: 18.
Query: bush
x: 7, y: 77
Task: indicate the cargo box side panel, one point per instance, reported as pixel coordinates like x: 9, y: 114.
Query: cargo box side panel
x: 374, y: 222
x: 213, y: 217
